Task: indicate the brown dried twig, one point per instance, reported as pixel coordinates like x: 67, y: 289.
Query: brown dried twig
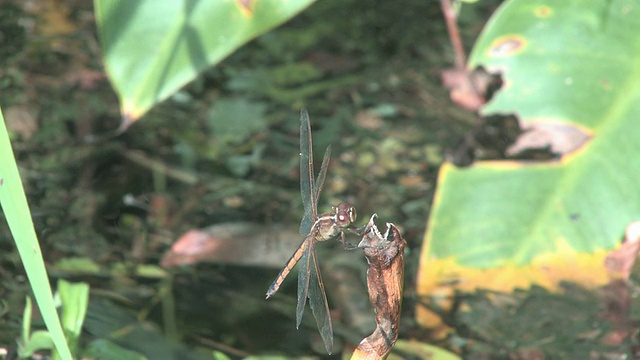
x: 469, y: 89
x: 385, y: 280
x: 450, y: 18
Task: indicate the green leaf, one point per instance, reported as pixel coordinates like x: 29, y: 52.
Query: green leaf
x: 152, y: 48
x: 240, y: 165
x: 78, y: 265
x: 151, y: 271
x: 217, y: 355
x: 38, y: 341
x: 26, y: 320
x: 233, y: 120
x: 571, y: 74
x: 16, y: 210
x: 75, y: 299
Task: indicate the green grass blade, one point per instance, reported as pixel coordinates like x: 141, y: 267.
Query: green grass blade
x: 16, y: 210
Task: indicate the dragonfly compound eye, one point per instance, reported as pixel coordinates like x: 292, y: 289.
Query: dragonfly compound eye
x: 345, y: 214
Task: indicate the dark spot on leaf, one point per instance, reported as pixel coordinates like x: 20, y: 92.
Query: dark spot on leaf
x: 488, y: 140
x: 559, y: 138
x: 507, y: 46
x: 606, y: 85
x: 543, y: 11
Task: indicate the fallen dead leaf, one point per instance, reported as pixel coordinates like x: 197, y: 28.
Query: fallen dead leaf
x: 616, y: 294
x: 239, y: 243
x: 619, y: 262
x: 20, y: 121
x: 369, y: 120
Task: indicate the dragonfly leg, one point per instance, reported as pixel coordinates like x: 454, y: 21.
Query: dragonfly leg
x: 345, y: 245
x: 357, y: 231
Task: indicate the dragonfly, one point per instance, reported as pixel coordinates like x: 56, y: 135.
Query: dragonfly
x: 314, y: 228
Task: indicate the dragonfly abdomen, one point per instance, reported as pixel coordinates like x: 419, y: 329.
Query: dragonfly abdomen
x: 293, y: 260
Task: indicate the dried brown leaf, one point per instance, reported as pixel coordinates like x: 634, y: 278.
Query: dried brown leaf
x: 385, y: 280
x: 559, y: 138
x: 240, y: 243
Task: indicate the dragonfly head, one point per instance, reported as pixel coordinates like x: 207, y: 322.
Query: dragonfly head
x: 345, y: 214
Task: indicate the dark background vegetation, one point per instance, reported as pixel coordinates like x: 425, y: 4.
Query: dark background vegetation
x: 368, y: 71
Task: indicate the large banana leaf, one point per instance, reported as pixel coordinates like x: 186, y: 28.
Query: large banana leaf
x: 152, y: 48
x: 571, y: 72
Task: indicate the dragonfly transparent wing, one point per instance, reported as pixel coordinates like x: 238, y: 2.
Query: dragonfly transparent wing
x: 306, y: 173
x: 321, y: 175
x: 318, y: 303
x: 303, y: 281
x: 309, y: 280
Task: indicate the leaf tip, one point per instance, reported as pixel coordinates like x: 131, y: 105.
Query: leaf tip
x: 130, y: 114
x: 246, y: 7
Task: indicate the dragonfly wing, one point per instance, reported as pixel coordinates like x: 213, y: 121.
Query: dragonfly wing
x: 303, y: 283
x: 306, y: 172
x: 321, y: 175
x: 318, y: 303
